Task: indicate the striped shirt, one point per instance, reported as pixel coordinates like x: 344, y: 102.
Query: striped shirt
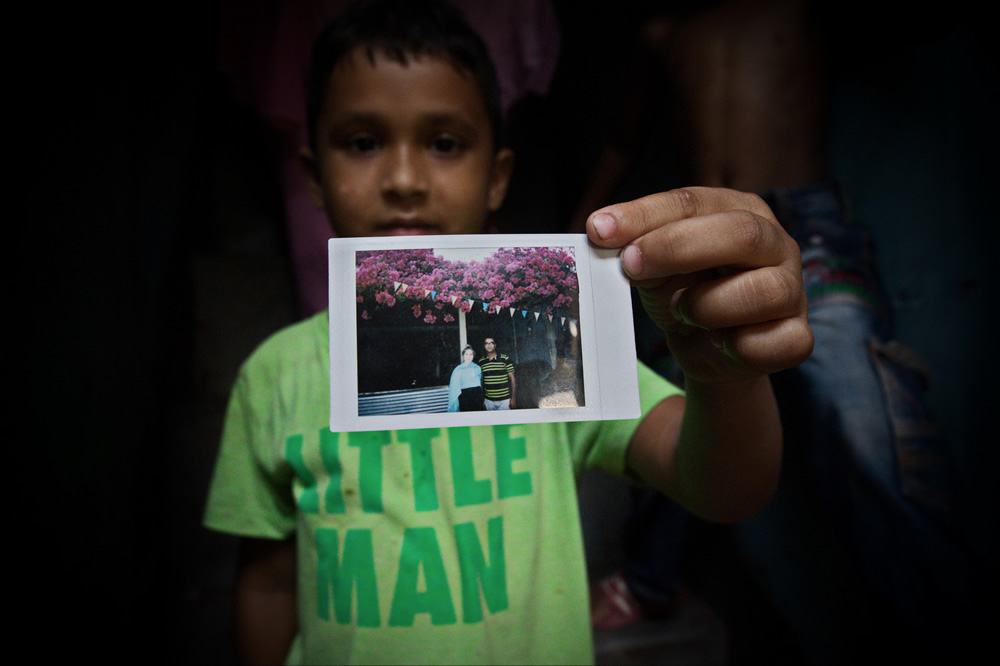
x: 496, y: 380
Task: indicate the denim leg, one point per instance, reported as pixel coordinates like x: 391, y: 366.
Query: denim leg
x: 857, y: 548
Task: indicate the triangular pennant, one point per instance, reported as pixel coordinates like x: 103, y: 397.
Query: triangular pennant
x: 395, y: 286
x: 433, y: 295
x: 524, y: 314
x: 512, y: 311
x: 536, y: 315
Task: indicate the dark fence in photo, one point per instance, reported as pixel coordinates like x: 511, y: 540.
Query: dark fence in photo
x: 431, y: 400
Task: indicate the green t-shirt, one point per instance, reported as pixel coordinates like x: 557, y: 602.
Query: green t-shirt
x: 440, y: 545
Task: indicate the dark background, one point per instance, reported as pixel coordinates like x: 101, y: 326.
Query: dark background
x: 151, y: 259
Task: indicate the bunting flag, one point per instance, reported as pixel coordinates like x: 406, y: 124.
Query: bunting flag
x: 402, y: 287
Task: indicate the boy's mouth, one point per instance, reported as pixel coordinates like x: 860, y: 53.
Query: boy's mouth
x: 407, y: 228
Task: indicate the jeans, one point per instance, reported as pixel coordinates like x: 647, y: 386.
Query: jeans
x: 856, y: 552
x: 857, y: 549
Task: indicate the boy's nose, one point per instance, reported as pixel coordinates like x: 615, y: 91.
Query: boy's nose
x: 405, y: 174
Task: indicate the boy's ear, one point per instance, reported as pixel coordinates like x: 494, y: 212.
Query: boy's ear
x: 503, y: 167
x: 311, y: 167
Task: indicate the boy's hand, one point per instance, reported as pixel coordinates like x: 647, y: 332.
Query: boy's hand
x: 718, y: 275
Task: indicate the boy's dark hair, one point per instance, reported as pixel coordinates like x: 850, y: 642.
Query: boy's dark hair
x: 400, y: 30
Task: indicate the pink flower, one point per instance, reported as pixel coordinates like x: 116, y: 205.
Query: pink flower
x: 538, y: 278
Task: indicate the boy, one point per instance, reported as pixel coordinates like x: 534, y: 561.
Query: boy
x: 463, y: 545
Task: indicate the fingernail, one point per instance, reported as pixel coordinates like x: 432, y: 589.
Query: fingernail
x: 675, y: 306
x: 718, y: 340
x: 632, y: 261
x: 604, y: 225
x: 678, y: 314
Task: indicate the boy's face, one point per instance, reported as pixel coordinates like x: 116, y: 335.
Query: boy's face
x: 404, y: 150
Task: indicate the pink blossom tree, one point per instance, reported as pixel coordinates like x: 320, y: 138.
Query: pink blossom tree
x: 537, y: 279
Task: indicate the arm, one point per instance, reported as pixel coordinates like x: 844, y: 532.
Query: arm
x: 513, y: 389
x: 723, y: 280
x: 708, y: 463
x: 265, y: 601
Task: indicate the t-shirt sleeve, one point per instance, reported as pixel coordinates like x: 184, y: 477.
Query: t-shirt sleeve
x: 604, y: 443
x: 250, y: 493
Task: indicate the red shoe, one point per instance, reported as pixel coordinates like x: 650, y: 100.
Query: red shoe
x: 612, y: 605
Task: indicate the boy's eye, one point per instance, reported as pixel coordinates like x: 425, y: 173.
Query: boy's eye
x: 445, y: 144
x: 362, y: 143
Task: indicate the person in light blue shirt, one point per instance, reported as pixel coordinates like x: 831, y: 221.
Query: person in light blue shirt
x: 465, y: 390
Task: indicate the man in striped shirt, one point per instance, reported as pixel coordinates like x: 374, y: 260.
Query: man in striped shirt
x: 498, y: 378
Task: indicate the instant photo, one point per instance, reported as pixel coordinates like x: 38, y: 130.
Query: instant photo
x: 438, y: 331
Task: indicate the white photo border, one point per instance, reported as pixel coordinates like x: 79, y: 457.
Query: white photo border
x: 606, y: 335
